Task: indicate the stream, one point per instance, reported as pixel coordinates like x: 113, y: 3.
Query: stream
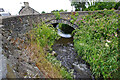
x: 68, y: 57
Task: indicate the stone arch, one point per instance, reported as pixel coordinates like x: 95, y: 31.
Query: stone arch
x: 64, y: 21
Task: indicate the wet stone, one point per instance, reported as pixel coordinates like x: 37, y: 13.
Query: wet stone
x: 69, y: 59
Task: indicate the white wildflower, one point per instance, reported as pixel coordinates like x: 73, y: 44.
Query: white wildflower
x: 106, y: 45
x: 82, y: 44
x: 116, y: 34
x: 108, y: 41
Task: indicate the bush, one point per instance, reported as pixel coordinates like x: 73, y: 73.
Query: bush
x: 45, y: 35
x: 96, y: 40
x: 117, y: 5
x: 57, y: 15
x: 101, y: 6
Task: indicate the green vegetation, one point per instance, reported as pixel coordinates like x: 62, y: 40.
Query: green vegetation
x: 59, y: 11
x: 101, y: 6
x: 57, y: 63
x: 96, y: 40
x: 74, y: 16
x: 117, y: 5
x: 97, y: 6
x: 78, y: 5
x: 43, y: 12
x: 44, y: 36
x: 57, y: 15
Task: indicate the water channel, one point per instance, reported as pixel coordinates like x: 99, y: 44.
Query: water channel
x: 64, y: 48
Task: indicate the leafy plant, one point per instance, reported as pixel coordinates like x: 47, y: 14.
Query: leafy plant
x: 57, y: 14
x: 45, y: 35
x: 117, y: 5
x: 96, y: 41
x: 74, y: 16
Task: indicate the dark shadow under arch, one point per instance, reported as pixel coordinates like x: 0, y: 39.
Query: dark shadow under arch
x: 64, y: 21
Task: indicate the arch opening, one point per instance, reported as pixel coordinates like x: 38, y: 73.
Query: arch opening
x: 64, y: 30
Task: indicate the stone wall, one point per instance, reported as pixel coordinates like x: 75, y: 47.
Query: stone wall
x: 13, y: 47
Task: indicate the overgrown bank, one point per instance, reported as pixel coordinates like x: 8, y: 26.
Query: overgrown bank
x: 42, y: 38
x: 96, y: 40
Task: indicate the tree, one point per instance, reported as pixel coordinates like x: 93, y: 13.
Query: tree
x: 43, y: 11
x: 78, y: 5
x: 59, y: 11
x: 95, y: 5
x: 101, y: 6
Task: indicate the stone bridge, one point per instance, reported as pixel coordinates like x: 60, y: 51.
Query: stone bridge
x: 13, y: 31
x: 48, y: 18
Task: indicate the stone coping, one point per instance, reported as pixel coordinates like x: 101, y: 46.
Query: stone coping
x: 4, y: 17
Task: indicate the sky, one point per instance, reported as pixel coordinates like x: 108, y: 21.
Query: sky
x: 13, y: 6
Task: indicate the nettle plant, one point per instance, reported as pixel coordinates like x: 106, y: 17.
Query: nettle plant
x: 96, y: 41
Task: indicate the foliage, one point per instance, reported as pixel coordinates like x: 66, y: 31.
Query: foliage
x: 57, y: 14
x: 101, y: 6
x: 117, y: 5
x: 96, y: 40
x: 59, y: 11
x: 78, y: 5
x: 38, y: 48
x: 43, y: 11
x: 45, y: 35
x: 74, y: 16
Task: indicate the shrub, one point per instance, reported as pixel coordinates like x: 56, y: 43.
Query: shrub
x: 57, y: 15
x: 74, y: 16
x: 45, y: 35
x: 96, y: 41
x: 117, y: 5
